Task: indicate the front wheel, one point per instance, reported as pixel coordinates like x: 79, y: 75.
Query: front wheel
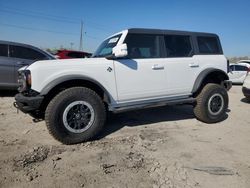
x: 211, y: 104
x: 75, y: 115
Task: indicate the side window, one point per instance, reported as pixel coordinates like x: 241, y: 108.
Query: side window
x: 4, y: 50
x: 143, y: 46
x: 26, y: 53
x: 231, y: 67
x: 240, y: 68
x: 178, y: 46
x: 208, y: 45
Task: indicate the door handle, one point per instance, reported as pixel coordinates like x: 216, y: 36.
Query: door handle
x: 193, y: 65
x: 157, y: 67
x: 22, y: 63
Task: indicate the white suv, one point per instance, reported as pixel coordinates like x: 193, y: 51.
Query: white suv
x: 133, y: 69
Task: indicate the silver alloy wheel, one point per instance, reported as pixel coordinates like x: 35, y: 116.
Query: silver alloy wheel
x: 215, y: 104
x: 78, y: 116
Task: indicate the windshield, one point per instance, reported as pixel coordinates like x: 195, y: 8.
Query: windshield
x: 106, y: 47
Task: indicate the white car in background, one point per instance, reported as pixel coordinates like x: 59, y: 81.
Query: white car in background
x: 246, y: 87
x: 238, y: 72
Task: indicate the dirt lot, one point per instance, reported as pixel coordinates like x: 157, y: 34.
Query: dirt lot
x: 159, y: 147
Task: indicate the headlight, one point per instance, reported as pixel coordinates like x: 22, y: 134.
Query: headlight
x: 24, y: 80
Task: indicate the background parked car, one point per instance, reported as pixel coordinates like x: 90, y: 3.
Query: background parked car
x: 14, y: 56
x: 238, y: 73
x: 246, y: 87
x: 69, y: 54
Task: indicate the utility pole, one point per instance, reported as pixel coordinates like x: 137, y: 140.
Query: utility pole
x: 71, y: 45
x: 80, y: 46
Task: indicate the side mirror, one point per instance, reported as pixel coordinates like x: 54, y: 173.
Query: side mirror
x: 120, y: 51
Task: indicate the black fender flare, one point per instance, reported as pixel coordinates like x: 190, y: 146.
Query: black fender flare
x: 62, y: 79
x: 204, y: 74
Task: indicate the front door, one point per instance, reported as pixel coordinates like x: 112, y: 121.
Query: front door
x: 241, y: 72
x: 237, y: 73
x: 140, y: 79
x: 143, y: 74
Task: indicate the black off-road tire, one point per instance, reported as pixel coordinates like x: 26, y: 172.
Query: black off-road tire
x: 58, y: 105
x: 202, y: 110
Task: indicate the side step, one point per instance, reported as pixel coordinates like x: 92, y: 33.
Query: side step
x: 153, y: 104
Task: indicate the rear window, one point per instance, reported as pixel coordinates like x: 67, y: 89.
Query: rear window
x: 178, y: 46
x: 26, y: 53
x: 208, y: 45
x: 4, y: 50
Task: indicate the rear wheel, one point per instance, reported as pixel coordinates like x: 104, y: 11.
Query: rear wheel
x: 211, y: 104
x: 75, y: 115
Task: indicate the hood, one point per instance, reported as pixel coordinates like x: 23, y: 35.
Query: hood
x: 57, y: 63
x: 23, y: 68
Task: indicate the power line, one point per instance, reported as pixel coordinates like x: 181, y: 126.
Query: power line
x: 92, y: 37
x: 36, y: 29
x: 44, y: 30
x: 40, y: 15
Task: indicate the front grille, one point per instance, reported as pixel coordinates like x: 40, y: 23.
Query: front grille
x: 30, y: 93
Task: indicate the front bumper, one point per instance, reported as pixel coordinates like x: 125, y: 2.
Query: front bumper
x: 28, y: 104
x: 246, y: 92
x: 227, y: 84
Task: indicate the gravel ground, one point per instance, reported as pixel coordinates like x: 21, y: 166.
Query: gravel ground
x: 158, y: 147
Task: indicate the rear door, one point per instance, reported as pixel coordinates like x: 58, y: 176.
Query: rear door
x: 181, y: 67
x: 6, y: 67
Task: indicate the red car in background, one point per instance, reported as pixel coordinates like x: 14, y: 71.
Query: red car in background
x: 70, y: 54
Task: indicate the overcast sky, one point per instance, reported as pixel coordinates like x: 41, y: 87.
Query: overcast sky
x: 56, y: 23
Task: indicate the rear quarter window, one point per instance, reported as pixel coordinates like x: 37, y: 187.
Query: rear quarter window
x: 208, y: 45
